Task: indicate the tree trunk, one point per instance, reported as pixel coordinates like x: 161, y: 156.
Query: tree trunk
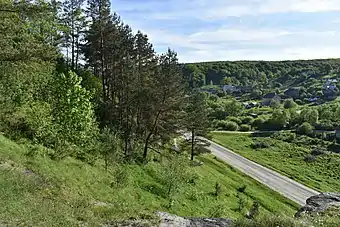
x: 145, y: 154
x: 192, y: 144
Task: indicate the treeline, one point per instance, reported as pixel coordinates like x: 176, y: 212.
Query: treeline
x: 261, y: 75
x: 76, y: 78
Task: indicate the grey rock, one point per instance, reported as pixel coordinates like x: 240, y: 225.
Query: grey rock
x: 320, y: 203
x: 169, y: 220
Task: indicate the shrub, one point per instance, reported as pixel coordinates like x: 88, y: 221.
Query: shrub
x: 284, y: 136
x: 319, y: 151
x: 241, y: 202
x: 218, y: 189
x: 234, y: 119
x: 231, y: 126
x: 299, y: 102
x: 254, y: 210
x: 248, y: 120
x: 217, y: 210
x: 245, y: 128
x: 242, y: 188
x: 72, y: 109
x: 289, y: 104
x: 259, y: 122
x: 310, y: 158
x: 37, y: 122
x: 259, y: 145
x: 275, y: 103
x: 305, y: 129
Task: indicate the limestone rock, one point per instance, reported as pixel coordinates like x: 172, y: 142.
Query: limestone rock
x: 320, y: 203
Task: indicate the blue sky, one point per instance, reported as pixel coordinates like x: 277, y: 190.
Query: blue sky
x: 215, y: 30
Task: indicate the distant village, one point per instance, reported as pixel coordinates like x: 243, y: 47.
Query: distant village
x: 330, y: 91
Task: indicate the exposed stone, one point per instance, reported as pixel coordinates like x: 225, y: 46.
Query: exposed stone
x: 320, y: 203
x: 169, y: 220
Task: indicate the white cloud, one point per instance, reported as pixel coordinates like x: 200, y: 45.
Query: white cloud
x: 228, y: 41
x: 249, y: 44
x: 219, y: 9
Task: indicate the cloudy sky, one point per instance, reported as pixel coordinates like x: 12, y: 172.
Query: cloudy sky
x: 214, y: 30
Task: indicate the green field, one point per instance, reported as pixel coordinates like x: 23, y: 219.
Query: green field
x: 322, y: 174
x: 70, y: 192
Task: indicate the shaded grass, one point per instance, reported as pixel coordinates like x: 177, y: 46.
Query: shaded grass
x: 288, y: 159
x: 39, y: 191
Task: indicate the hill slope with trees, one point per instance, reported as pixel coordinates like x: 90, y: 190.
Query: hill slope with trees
x: 261, y: 77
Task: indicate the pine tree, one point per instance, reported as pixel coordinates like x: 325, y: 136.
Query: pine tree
x: 96, y: 39
x: 196, y: 117
x: 165, y: 101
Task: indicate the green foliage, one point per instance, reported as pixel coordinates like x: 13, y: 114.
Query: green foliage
x: 231, y: 126
x: 245, y: 128
x: 248, y: 120
x: 275, y: 103
x: 310, y: 115
x: 258, y: 122
x: 279, y: 119
x: 233, y: 108
x: 37, y: 122
x: 254, y: 210
x: 175, y: 172
x: 63, y: 192
x: 218, y: 189
x: 305, y: 129
x: 234, y: 119
x: 73, y: 110
x: 289, y: 104
x: 110, y: 147
x: 217, y: 210
x: 241, y: 202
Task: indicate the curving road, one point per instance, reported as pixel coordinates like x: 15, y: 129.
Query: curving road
x: 282, y: 184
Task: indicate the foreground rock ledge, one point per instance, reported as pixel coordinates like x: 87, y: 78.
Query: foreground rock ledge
x: 320, y: 203
x: 169, y: 220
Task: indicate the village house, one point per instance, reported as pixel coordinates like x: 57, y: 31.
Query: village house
x: 269, y: 98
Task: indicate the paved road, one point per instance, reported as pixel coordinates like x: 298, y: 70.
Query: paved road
x: 285, y: 186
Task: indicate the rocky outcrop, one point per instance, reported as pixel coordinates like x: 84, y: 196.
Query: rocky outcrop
x: 320, y: 203
x: 169, y: 220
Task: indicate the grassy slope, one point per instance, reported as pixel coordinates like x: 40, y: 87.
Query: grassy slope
x: 65, y: 193
x: 287, y: 158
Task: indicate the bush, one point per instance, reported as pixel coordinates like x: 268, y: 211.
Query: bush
x: 254, y: 210
x: 73, y: 110
x: 259, y: 145
x: 299, y: 102
x: 218, y: 210
x: 319, y: 151
x: 259, y: 122
x: 234, y: 119
x: 284, y: 136
x: 230, y: 126
x: 305, y: 129
x: 310, y: 158
x: 218, y: 189
x: 248, y: 120
x: 289, y: 104
x: 245, y: 128
x: 275, y: 103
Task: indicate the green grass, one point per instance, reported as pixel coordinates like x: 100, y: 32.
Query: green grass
x: 288, y: 159
x: 70, y: 192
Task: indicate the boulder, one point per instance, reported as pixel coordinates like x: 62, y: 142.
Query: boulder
x: 169, y: 220
x: 320, y: 203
